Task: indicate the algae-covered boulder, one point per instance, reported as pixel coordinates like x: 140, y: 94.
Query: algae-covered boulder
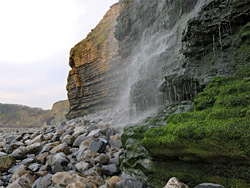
x: 217, y: 130
x: 6, y: 162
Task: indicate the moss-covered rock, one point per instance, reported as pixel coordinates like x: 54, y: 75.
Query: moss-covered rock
x: 6, y: 162
x: 216, y: 135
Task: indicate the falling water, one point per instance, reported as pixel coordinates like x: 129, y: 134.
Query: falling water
x: 157, y: 54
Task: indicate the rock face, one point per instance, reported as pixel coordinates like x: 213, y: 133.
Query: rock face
x: 93, y: 82
x: 211, y: 39
x: 172, y: 50
x: 58, y: 112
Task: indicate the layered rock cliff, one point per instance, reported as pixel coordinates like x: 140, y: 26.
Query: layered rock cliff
x: 93, y: 81
x: 170, y: 51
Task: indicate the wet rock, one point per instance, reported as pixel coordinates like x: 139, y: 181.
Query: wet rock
x: 209, y: 185
x: 175, y: 183
x: 110, y: 170
x: 79, y: 140
x: 118, y: 153
x: 115, y: 142
x: 6, y: 162
x: 97, y: 146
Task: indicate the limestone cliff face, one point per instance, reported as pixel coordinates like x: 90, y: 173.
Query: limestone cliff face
x: 93, y: 81
x: 58, y: 112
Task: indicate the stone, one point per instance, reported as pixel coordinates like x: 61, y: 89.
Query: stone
x: 6, y: 162
x: 85, y: 155
x: 115, y: 142
x: 34, y: 167
x: 115, y: 161
x: 131, y: 183
x: 209, y: 185
x: 102, y: 158
x: 68, y: 139
x: 34, y: 148
x: 82, y: 166
x: 19, y: 172
x: 80, y: 185
x: 97, y: 180
x: 85, y: 144
x: 94, y: 171
x: 26, y: 181
x: 27, y: 161
x: 42, y: 157
x: 79, y: 140
x: 94, y: 133
x: 175, y: 183
x: 59, y: 162
x: 61, y: 148
x: 12, y: 147
x: 19, y: 153
x: 45, y: 182
x: 37, y: 139
x: 97, y: 146
x: 68, y: 178
x: 110, y: 170
x: 2, y: 154
x: 41, y: 173
x: 113, y: 181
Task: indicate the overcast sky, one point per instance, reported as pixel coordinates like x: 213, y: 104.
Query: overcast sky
x: 35, y: 39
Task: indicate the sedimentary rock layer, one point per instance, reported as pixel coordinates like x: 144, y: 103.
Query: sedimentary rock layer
x: 93, y: 81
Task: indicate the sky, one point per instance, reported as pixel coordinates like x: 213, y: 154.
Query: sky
x: 35, y: 40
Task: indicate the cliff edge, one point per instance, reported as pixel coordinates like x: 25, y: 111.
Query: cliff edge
x: 93, y: 81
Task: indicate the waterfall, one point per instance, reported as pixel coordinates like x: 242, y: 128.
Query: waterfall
x: 157, y: 53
